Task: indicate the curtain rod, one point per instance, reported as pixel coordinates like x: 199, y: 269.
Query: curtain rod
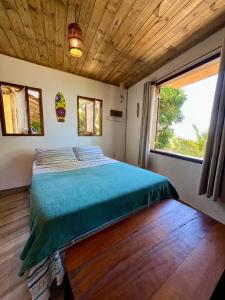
x: 183, y: 68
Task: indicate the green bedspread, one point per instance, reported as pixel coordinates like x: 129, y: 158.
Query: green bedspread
x: 67, y: 204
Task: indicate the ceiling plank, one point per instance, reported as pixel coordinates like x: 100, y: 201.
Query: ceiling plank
x: 117, y: 33
x: 23, y: 11
x: 36, y: 11
x: 96, y: 17
x: 159, y: 25
x: 6, y: 25
x: 134, y: 20
x: 49, y: 12
x: 187, y: 36
x: 102, y: 30
x: 17, y: 26
x: 97, y: 58
x: 60, y: 19
x: 6, y: 47
x: 140, y: 27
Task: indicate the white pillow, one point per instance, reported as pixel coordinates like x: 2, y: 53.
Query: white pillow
x: 88, y: 152
x: 46, y: 156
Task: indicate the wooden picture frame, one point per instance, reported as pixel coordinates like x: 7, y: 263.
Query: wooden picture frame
x: 2, y: 113
x: 100, y: 115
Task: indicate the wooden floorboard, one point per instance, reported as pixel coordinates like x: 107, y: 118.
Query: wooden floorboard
x: 14, y: 230
x: 170, y: 251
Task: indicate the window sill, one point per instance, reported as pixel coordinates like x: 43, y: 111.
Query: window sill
x: 187, y: 158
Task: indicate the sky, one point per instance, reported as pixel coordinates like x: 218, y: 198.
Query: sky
x: 197, y: 108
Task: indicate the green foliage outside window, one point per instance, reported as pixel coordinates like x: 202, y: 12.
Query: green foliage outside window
x: 83, y: 117
x: 171, y: 102
x: 36, y: 127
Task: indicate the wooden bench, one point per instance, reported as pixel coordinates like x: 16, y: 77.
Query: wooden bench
x: 169, y: 251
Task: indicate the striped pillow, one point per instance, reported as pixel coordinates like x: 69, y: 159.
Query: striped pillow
x: 54, y: 155
x: 88, y: 152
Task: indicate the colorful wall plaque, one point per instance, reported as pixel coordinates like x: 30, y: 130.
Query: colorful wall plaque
x: 60, y: 107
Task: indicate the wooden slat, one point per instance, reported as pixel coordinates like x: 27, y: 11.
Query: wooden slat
x: 102, y: 30
x: 211, y: 252
x: 97, y: 58
x: 25, y: 18
x: 61, y: 17
x: 6, y: 47
x: 181, y: 35
x: 36, y: 11
x: 141, y: 32
x: 17, y: 26
x: 50, y: 27
x: 96, y: 16
x: 13, y: 43
x: 153, y: 255
x: 160, y: 211
x: 134, y: 22
x: 14, y: 230
x: 171, y: 17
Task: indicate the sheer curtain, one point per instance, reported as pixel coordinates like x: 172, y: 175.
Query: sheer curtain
x: 145, y: 134
x: 212, y: 181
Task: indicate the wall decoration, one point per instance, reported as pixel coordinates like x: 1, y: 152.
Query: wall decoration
x: 60, y: 107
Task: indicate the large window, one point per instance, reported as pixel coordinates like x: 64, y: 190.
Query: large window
x: 89, y: 116
x: 184, y: 110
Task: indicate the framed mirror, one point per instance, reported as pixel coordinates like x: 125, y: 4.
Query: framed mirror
x: 89, y: 115
x: 21, y: 110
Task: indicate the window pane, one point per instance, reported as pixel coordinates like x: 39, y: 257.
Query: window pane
x: 97, y: 117
x: 15, y: 110
x: 34, y: 111
x: 184, y: 111
x: 89, y: 116
x: 22, y: 110
x: 89, y: 111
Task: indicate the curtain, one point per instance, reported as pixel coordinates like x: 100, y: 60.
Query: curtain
x: 212, y: 181
x: 144, y: 144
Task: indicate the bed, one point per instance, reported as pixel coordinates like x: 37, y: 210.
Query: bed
x: 72, y: 200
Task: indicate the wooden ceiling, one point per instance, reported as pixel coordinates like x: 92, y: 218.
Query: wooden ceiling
x: 124, y: 40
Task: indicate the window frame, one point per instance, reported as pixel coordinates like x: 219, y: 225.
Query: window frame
x: 100, y: 116
x: 2, y: 114
x: 160, y: 82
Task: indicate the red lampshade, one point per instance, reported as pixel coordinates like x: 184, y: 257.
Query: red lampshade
x: 75, y: 37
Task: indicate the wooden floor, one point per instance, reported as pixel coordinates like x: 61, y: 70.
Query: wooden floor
x: 167, y: 252
x: 14, y: 231
x: 179, y: 250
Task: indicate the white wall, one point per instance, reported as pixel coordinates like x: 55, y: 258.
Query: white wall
x: 17, y: 153
x: 183, y: 174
